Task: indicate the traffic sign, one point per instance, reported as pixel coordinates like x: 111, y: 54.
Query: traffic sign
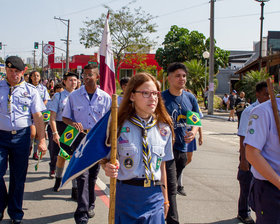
x: 48, y: 49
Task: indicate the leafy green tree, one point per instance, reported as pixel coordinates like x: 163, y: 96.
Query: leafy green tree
x: 181, y: 45
x: 249, y: 81
x: 129, y: 32
x: 2, y: 60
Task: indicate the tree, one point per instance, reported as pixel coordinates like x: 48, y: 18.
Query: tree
x: 129, y: 31
x: 196, y: 76
x: 181, y: 45
x: 248, y: 83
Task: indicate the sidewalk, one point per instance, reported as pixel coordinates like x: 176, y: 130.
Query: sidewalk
x: 220, y: 114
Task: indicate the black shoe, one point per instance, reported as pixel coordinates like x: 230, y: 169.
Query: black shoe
x: 181, y: 191
x: 83, y: 222
x: 1, y: 216
x: 91, y: 213
x: 247, y: 220
x: 57, y: 183
x: 74, y: 194
x: 16, y: 221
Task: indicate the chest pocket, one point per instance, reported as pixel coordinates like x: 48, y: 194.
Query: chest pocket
x: 157, y: 156
x: 129, y: 158
x: 79, y: 110
x: 23, y: 103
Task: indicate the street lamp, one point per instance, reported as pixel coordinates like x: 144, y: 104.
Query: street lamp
x: 205, y: 56
x: 260, y: 51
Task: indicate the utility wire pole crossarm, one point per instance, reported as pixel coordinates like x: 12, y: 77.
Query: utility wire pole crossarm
x: 67, y: 41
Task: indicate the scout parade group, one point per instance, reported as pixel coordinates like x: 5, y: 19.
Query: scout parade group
x: 155, y: 132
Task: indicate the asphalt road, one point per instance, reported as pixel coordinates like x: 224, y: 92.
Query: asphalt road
x: 210, y: 182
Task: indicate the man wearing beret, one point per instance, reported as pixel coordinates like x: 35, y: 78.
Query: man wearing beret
x: 18, y: 101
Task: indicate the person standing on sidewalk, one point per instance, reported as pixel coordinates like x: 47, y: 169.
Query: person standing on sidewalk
x: 177, y: 103
x: 232, y: 99
x: 19, y: 100
x: 56, y: 106
x: 263, y: 153
x: 244, y: 174
x: 84, y: 108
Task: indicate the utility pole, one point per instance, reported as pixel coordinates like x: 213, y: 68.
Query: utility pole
x: 34, y: 58
x: 211, y: 60
x: 67, y: 41
x: 43, y: 73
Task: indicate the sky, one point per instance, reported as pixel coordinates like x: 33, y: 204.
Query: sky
x: 237, y: 22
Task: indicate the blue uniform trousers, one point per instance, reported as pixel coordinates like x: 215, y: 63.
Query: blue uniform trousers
x: 244, y: 178
x: 86, y: 193
x: 14, y: 149
x: 264, y: 199
x: 137, y: 204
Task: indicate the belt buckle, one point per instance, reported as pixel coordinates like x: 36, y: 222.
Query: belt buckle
x: 13, y: 132
x: 147, y: 183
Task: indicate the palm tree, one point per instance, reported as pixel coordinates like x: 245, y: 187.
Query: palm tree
x: 248, y: 83
x: 196, y: 76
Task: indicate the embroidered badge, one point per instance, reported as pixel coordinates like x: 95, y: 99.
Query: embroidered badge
x: 128, y: 163
x: 25, y: 94
x: 125, y: 129
x: 24, y: 108
x: 163, y: 132
x: 158, y: 163
x: 250, y: 123
x: 251, y: 131
x: 122, y: 141
x: 254, y: 116
x: 99, y: 98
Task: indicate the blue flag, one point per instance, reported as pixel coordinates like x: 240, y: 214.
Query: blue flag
x: 91, y: 149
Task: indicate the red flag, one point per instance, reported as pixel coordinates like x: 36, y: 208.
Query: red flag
x: 107, y: 67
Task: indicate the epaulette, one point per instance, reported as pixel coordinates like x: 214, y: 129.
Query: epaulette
x: 30, y: 85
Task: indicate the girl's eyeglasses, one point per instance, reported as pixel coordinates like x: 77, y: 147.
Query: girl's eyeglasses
x: 147, y: 94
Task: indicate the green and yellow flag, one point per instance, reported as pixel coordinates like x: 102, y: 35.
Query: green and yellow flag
x: 69, y: 135
x: 64, y: 154
x: 46, y: 115
x: 193, y: 119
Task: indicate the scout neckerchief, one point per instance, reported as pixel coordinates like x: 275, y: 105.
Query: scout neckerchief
x: 145, y: 147
x: 11, y: 89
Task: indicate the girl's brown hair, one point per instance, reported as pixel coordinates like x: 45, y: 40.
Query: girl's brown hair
x: 127, y: 109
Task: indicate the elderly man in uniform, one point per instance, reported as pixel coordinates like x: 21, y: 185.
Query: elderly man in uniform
x: 244, y: 174
x: 18, y: 101
x: 263, y: 153
x: 84, y: 108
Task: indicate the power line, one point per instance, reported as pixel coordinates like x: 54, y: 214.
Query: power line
x: 180, y: 10
x: 87, y: 9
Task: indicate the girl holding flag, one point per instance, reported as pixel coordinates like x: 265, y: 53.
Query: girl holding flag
x: 145, y: 135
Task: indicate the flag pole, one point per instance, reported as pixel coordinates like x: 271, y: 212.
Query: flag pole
x: 274, y: 105
x: 113, y: 134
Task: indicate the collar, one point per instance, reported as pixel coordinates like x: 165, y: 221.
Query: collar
x: 84, y: 92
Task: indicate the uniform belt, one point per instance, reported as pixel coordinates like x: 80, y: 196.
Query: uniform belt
x: 141, y: 182
x: 14, y: 132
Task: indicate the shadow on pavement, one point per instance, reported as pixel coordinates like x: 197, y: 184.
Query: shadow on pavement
x: 47, y: 194
x: 51, y: 219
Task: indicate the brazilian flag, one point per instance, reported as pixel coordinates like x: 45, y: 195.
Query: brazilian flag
x: 193, y: 119
x: 46, y: 115
x: 64, y: 154
x: 69, y: 135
